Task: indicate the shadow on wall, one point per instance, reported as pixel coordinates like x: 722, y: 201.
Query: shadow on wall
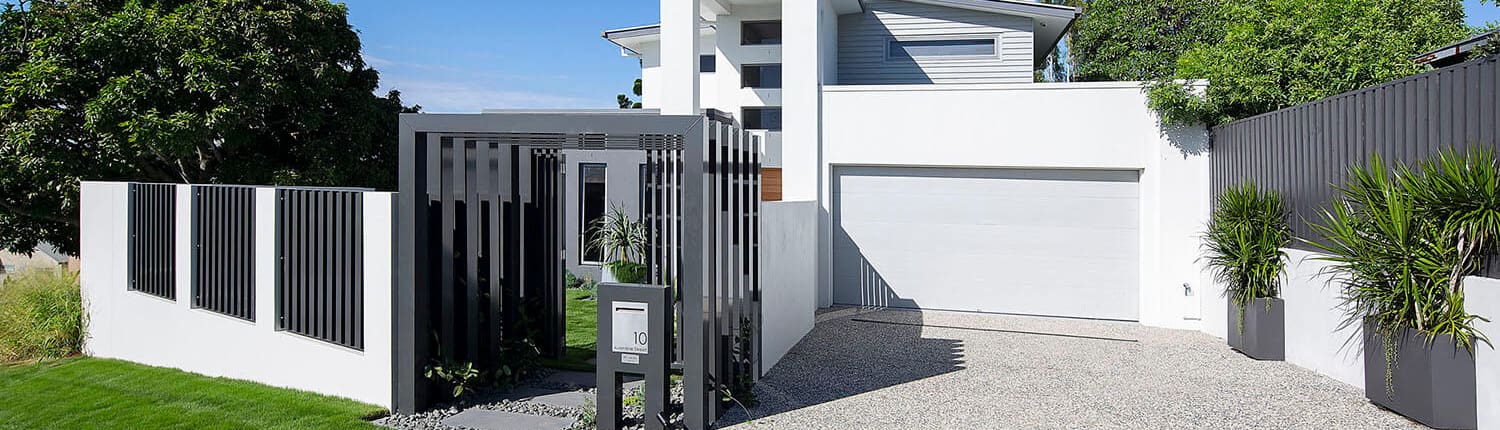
x: 1189, y: 140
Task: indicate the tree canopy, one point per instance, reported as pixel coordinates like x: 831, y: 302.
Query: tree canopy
x: 1139, y: 40
x: 182, y: 91
x: 1280, y: 53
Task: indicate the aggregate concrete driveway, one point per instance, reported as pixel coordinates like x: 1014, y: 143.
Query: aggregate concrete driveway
x: 878, y: 369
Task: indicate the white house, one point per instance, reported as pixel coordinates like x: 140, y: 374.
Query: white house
x: 944, y: 177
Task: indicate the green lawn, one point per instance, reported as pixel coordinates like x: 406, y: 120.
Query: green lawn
x: 581, y: 335
x: 90, y: 393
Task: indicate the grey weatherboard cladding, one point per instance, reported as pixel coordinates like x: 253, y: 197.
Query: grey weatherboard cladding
x: 702, y: 215
x: 223, y: 250
x: 1305, y: 151
x: 152, y: 250
x: 320, y: 264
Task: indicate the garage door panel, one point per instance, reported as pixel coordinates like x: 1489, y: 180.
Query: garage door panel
x: 1046, y: 242
x: 989, y: 239
x: 989, y: 210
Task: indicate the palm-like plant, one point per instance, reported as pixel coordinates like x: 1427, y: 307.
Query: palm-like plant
x: 1401, y: 243
x: 622, y: 240
x: 1244, y: 241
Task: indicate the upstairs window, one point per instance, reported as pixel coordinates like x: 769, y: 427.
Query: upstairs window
x: 761, y: 76
x: 949, y: 48
x: 707, y: 63
x: 760, y: 33
x: 762, y: 118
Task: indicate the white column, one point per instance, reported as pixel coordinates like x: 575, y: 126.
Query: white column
x: 678, y: 87
x: 801, y: 100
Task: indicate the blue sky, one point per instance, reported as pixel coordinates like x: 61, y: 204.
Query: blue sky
x: 468, y: 55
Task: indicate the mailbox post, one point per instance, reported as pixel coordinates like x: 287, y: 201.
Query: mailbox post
x: 635, y: 332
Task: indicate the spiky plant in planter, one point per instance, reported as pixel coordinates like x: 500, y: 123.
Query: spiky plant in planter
x: 622, y: 240
x: 1399, y: 244
x: 1243, y: 247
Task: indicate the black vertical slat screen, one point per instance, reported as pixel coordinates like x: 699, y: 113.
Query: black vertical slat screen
x: 1304, y: 152
x: 153, y: 237
x: 320, y: 276
x: 223, y: 250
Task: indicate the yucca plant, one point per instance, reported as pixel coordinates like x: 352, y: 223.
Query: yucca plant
x: 622, y: 240
x: 1243, y: 244
x: 1401, y: 241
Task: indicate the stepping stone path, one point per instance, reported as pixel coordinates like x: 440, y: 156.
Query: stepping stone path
x: 480, y: 419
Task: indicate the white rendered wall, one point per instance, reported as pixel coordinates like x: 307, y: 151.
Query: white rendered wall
x: 1313, y: 317
x: 1107, y: 126
x: 1482, y: 297
x: 680, y: 47
x: 146, y: 329
x: 788, y: 276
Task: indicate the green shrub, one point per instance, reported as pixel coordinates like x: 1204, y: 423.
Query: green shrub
x: 1402, y: 240
x: 41, y: 315
x: 1244, y: 241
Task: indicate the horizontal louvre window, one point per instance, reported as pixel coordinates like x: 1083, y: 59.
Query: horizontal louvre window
x: 153, y: 239
x: 760, y: 33
x: 761, y: 76
x: 224, y: 250
x: 942, y: 48
x: 763, y: 118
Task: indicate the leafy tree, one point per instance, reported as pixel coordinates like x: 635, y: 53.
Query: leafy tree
x: 1140, y: 40
x: 182, y: 91
x: 1281, y: 53
x: 626, y: 102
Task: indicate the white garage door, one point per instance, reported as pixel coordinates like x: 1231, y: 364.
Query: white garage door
x: 1039, y: 242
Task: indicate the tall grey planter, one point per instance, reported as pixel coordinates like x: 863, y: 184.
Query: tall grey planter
x: 1264, y: 333
x: 1431, y: 383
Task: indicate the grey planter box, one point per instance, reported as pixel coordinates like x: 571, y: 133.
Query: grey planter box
x: 1433, y: 384
x: 1264, y: 334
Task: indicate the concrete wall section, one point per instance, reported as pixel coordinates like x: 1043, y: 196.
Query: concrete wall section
x: 788, y: 276
x: 1483, y: 299
x: 1109, y: 127
x: 1314, y: 314
x: 150, y: 330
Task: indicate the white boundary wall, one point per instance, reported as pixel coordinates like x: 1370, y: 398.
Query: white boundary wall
x: 789, y: 276
x: 146, y: 329
x: 1482, y: 297
x: 1035, y: 126
x: 1315, y: 342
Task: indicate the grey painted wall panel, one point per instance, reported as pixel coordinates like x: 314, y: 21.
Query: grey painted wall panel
x: 1304, y: 151
x: 1049, y: 242
x: 864, y: 39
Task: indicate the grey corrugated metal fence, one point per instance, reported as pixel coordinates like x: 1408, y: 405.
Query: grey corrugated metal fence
x: 224, y: 250
x: 153, y: 237
x: 1304, y: 151
x: 320, y: 270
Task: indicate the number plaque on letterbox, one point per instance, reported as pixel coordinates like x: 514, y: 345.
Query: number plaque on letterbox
x: 631, y: 328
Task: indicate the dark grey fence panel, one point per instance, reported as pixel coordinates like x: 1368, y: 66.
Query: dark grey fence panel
x: 320, y: 273
x: 1305, y: 151
x: 153, y: 237
x: 702, y: 216
x: 223, y: 250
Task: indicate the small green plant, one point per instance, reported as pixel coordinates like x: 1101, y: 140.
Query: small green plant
x: 1243, y: 244
x: 462, y: 377
x: 1401, y: 241
x: 622, y: 240
x: 571, y: 280
x: 589, y: 417
x: 41, y: 315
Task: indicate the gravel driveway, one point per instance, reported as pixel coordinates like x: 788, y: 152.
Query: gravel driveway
x: 872, y: 369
